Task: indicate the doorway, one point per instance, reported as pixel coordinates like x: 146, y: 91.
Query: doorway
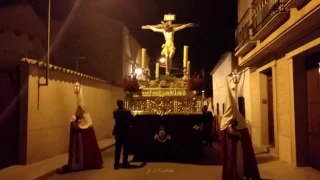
x: 270, y: 111
x: 267, y: 120
x: 313, y: 84
x: 9, y: 117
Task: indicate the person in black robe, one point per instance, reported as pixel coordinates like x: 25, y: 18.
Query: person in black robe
x: 207, y: 125
x: 121, y: 132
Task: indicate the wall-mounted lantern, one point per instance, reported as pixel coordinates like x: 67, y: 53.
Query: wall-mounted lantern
x: 235, y: 77
x: 77, y: 88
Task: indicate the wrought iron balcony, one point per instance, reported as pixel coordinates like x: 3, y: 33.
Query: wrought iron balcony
x: 295, y: 3
x: 268, y: 15
x: 303, y: 24
x: 244, y: 34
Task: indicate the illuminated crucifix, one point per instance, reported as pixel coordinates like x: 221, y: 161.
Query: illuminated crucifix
x: 168, y: 29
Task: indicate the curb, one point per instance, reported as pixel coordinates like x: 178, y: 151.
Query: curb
x: 51, y: 173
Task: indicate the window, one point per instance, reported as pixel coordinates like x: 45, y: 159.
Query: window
x: 241, y: 104
x: 223, y: 108
x: 218, y: 113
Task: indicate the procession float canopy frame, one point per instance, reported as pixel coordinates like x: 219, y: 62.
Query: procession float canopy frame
x: 165, y: 94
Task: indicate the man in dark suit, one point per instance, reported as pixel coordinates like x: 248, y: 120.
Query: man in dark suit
x: 207, y: 125
x: 121, y: 132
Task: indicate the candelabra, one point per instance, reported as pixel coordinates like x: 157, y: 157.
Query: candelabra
x: 145, y: 75
x: 185, y: 74
x: 77, y: 91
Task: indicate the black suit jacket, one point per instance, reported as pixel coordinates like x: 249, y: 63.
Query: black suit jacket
x: 207, y: 118
x: 123, y: 124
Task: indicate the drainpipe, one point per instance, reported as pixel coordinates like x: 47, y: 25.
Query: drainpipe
x: 48, y: 46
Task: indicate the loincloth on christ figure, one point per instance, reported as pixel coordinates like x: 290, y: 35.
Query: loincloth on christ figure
x: 167, y: 49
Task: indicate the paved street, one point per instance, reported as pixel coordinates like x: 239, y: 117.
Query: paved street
x: 205, y: 170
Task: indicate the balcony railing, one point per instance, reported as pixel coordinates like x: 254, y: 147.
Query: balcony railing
x: 296, y: 3
x: 244, y: 29
x: 243, y: 34
x: 268, y: 15
x: 259, y: 21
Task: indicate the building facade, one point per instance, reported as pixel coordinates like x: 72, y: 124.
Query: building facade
x: 35, y: 118
x: 280, y: 41
x: 95, y: 43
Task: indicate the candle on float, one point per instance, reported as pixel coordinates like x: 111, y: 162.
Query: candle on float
x: 143, y: 58
x: 188, y: 67
x: 185, y: 56
x: 157, y: 70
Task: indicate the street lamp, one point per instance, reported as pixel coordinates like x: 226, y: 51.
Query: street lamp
x: 162, y: 60
x: 235, y: 77
x: 138, y: 71
x: 77, y: 88
x: 48, y: 46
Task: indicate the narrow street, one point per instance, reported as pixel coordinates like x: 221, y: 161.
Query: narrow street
x: 206, y: 169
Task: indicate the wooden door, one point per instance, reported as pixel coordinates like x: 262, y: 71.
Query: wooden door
x: 9, y: 118
x: 270, y: 112
x: 313, y: 83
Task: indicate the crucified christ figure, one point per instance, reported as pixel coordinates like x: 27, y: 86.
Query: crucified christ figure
x: 168, y: 29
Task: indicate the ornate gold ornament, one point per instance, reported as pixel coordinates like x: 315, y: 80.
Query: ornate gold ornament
x: 162, y: 136
x: 165, y: 94
x: 158, y: 98
x: 163, y: 105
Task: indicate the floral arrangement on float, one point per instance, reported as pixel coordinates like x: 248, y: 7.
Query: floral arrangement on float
x: 196, y: 83
x: 131, y: 85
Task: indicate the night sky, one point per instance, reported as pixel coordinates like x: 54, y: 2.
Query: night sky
x: 215, y: 34
x: 217, y: 21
